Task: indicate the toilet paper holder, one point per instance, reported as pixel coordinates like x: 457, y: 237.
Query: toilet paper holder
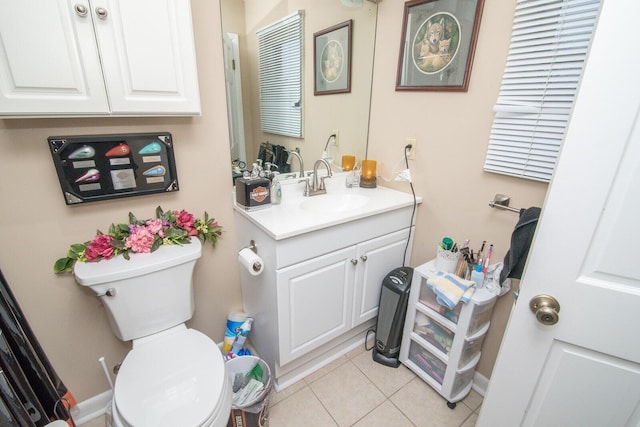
x: 250, y: 260
x: 252, y: 246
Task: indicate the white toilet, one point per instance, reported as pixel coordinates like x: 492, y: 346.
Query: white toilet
x: 173, y: 376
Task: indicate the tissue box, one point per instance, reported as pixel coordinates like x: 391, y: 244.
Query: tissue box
x: 253, y: 193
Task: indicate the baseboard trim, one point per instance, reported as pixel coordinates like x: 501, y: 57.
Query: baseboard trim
x: 480, y: 383
x: 91, y: 408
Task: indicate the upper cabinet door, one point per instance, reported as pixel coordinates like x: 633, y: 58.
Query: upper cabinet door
x: 49, y: 63
x: 148, y: 56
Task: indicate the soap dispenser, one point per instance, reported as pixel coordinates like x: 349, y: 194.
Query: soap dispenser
x: 276, y: 190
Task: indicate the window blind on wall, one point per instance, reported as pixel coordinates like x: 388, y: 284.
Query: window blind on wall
x: 549, y: 44
x: 280, y: 54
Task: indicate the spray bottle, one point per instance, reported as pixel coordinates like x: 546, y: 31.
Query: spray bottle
x: 241, y: 337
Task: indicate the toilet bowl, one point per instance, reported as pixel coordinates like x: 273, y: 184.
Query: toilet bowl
x: 173, y: 376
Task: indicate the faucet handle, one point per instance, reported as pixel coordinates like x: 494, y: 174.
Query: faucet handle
x: 322, y: 178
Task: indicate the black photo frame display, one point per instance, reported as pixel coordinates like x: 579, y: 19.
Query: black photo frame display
x: 102, y: 167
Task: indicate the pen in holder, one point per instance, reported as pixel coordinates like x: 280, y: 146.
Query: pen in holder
x: 447, y: 261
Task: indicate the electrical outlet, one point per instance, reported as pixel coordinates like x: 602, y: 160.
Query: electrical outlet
x: 336, y: 140
x: 411, y: 152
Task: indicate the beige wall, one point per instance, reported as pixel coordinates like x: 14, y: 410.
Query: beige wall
x: 36, y: 226
x: 451, y: 131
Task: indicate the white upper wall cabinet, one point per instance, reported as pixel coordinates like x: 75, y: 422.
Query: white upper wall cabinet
x: 97, y: 58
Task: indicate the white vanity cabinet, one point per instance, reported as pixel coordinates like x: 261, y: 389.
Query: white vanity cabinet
x: 319, y: 291
x: 324, y: 297
x: 442, y: 346
x: 97, y: 58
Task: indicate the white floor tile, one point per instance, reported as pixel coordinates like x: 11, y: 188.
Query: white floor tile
x: 347, y: 394
x: 301, y: 409
x: 385, y: 415
x: 426, y: 408
x: 387, y: 379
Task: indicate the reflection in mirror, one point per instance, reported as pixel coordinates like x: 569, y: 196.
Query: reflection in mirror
x: 345, y: 114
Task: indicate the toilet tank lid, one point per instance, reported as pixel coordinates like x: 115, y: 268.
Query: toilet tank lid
x: 118, y: 268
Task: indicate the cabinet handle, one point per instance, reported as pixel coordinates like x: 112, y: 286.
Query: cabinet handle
x: 354, y: 261
x: 81, y: 10
x: 101, y: 12
x: 363, y: 258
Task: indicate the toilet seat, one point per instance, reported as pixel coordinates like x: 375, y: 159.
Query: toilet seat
x: 174, y: 378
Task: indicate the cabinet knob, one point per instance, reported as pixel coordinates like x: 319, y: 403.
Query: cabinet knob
x: 81, y: 10
x: 363, y: 258
x: 354, y: 261
x: 101, y: 12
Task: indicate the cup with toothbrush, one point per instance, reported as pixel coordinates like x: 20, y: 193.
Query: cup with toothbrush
x: 447, y: 256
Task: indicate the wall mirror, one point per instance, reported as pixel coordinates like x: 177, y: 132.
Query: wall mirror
x: 346, y: 114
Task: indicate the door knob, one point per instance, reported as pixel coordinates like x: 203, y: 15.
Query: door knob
x: 546, y: 309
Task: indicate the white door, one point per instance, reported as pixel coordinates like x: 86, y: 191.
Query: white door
x: 585, y: 370
x: 148, y: 55
x: 315, y: 300
x: 49, y: 60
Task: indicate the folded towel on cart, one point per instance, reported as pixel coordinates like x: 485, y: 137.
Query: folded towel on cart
x: 451, y: 289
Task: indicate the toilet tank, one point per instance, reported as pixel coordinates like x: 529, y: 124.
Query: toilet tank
x: 146, y: 294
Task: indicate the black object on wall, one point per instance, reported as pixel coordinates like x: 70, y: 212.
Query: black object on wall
x: 101, y: 167
x: 30, y: 390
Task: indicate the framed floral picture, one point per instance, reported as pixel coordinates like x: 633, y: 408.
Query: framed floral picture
x: 438, y: 43
x: 332, y: 59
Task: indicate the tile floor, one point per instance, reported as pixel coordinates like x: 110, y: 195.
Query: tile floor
x: 356, y: 391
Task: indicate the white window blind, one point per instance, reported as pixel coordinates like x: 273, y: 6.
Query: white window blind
x: 280, y: 54
x: 549, y: 45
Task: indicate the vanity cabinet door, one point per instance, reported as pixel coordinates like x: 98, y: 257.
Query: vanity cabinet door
x: 376, y: 258
x: 49, y: 62
x: 315, y: 300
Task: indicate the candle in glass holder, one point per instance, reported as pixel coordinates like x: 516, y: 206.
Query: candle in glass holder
x: 368, y: 175
x: 348, y: 162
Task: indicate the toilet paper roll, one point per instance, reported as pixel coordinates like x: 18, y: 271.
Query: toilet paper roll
x: 251, y: 261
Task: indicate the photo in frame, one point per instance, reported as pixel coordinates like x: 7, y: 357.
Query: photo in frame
x: 332, y: 59
x: 437, y: 44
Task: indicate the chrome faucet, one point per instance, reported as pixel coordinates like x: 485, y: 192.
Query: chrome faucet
x: 318, y: 186
x: 296, y: 154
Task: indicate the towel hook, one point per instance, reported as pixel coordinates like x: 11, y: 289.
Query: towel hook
x: 501, y: 201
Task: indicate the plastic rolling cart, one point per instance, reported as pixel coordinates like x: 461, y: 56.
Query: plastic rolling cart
x: 440, y: 345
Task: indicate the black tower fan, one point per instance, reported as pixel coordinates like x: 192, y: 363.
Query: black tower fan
x: 394, y: 297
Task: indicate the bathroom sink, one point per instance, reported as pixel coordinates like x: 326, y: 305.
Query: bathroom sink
x: 327, y: 203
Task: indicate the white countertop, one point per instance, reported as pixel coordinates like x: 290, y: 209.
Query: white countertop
x: 297, y: 214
